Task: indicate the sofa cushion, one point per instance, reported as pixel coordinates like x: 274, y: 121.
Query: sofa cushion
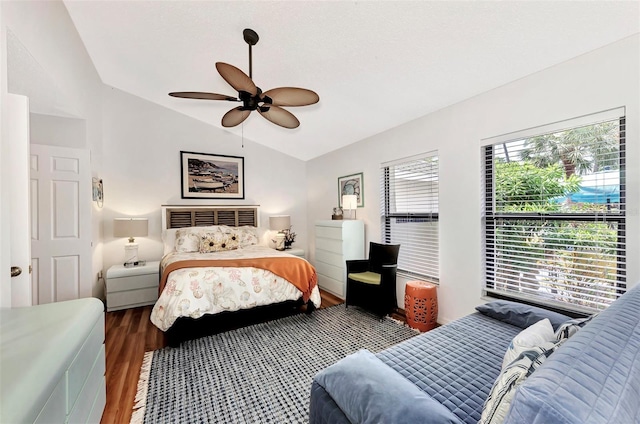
x: 455, y: 364
x: 368, y: 391
x: 593, y: 378
x: 519, y: 314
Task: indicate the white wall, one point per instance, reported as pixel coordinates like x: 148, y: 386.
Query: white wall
x: 55, y: 53
x: 600, y: 80
x: 58, y: 131
x: 142, y: 144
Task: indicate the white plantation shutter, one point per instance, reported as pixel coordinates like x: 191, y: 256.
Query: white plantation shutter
x: 567, y: 249
x: 409, y: 213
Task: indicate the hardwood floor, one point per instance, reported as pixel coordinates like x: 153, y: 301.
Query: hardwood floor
x: 128, y: 335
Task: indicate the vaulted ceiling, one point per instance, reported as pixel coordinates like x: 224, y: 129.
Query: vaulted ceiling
x: 375, y: 64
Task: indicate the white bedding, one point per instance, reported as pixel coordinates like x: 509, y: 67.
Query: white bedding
x: 193, y: 292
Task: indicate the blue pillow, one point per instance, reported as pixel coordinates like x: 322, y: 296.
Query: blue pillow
x: 519, y: 314
x: 368, y: 391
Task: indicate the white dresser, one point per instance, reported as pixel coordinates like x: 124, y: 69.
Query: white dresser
x: 337, y: 242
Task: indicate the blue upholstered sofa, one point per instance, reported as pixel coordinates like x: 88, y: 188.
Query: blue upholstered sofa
x: 445, y: 375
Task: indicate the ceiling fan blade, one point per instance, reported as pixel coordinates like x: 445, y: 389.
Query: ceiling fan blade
x: 279, y: 116
x: 236, y: 78
x: 235, y: 117
x: 204, y: 96
x: 291, y: 96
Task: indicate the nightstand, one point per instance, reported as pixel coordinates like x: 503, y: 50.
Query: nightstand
x: 295, y: 252
x: 129, y: 287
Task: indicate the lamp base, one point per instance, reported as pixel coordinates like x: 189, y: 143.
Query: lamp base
x: 130, y: 253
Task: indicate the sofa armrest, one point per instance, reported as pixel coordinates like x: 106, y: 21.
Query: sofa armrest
x: 389, y: 272
x: 323, y: 409
x: 369, y: 391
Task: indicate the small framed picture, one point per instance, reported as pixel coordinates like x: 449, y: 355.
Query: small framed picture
x: 209, y: 176
x: 353, y: 185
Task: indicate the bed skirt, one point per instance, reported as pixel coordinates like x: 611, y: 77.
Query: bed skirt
x: 189, y: 328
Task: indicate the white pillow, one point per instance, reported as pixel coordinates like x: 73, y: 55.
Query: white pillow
x: 264, y: 237
x: 169, y: 240
x: 534, y: 335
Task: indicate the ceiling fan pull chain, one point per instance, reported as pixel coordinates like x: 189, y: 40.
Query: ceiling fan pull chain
x: 250, y: 63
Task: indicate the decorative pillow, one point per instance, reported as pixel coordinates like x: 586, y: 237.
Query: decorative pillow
x: 571, y: 327
x: 497, y: 404
x: 217, y: 241
x: 187, y: 240
x: 519, y: 314
x: 247, y: 236
x: 532, y: 336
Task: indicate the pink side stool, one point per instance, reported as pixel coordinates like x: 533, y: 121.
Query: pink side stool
x: 421, y: 305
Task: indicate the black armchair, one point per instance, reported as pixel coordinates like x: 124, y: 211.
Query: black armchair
x: 371, y: 283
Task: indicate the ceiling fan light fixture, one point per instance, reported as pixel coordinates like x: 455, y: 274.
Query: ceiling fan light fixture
x: 268, y: 104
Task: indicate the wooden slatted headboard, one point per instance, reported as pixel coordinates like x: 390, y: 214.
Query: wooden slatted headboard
x: 177, y: 216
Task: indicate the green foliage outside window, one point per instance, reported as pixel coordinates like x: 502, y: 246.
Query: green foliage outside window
x: 524, y: 187
x: 568, y: 260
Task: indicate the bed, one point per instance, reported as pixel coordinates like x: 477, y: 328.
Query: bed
x: 219, y: 272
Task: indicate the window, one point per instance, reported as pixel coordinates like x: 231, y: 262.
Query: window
x: 554, y: 213
x: 409, y: 213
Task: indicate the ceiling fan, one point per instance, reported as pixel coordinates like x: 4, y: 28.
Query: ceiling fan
x: 268, y: 104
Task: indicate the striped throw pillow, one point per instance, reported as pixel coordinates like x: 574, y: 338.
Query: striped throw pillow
x: 571, y: 327
x: 497, y: 404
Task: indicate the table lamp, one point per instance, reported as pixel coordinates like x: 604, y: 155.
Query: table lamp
x: 130, y: 227
x: 279, y: 223
x: 350, y: 202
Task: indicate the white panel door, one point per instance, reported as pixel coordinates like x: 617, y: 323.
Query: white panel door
x: 60, y: 223
x: 5, y: 213
x: 15, y: 201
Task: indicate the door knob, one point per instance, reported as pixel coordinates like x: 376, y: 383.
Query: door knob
x: 15, y: 271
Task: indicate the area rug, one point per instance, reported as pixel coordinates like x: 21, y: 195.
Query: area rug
x: 256, y: 374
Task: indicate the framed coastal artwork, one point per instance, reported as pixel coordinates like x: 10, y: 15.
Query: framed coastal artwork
x: 351, y: 184
x: 210, y: 176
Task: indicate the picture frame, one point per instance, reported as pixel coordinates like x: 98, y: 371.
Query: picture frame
x: 351, y: 184
x: 211, y: 176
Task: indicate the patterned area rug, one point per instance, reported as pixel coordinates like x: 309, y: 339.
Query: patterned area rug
x: 256, y: 374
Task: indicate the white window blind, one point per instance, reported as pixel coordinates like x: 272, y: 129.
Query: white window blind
x: 409, y: 213
x: 554, y: 216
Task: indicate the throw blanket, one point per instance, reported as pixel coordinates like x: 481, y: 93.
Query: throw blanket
x: 297, y: 271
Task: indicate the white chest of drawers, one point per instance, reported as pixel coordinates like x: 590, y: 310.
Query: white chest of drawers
x: 337, y: 242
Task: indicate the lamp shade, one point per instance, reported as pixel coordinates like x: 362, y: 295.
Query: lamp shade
x: 279, y: 222
x: 349, y: 201
x: 130, y: 227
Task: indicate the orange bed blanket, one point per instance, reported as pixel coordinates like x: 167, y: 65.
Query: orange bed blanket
x: 297, y: 271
